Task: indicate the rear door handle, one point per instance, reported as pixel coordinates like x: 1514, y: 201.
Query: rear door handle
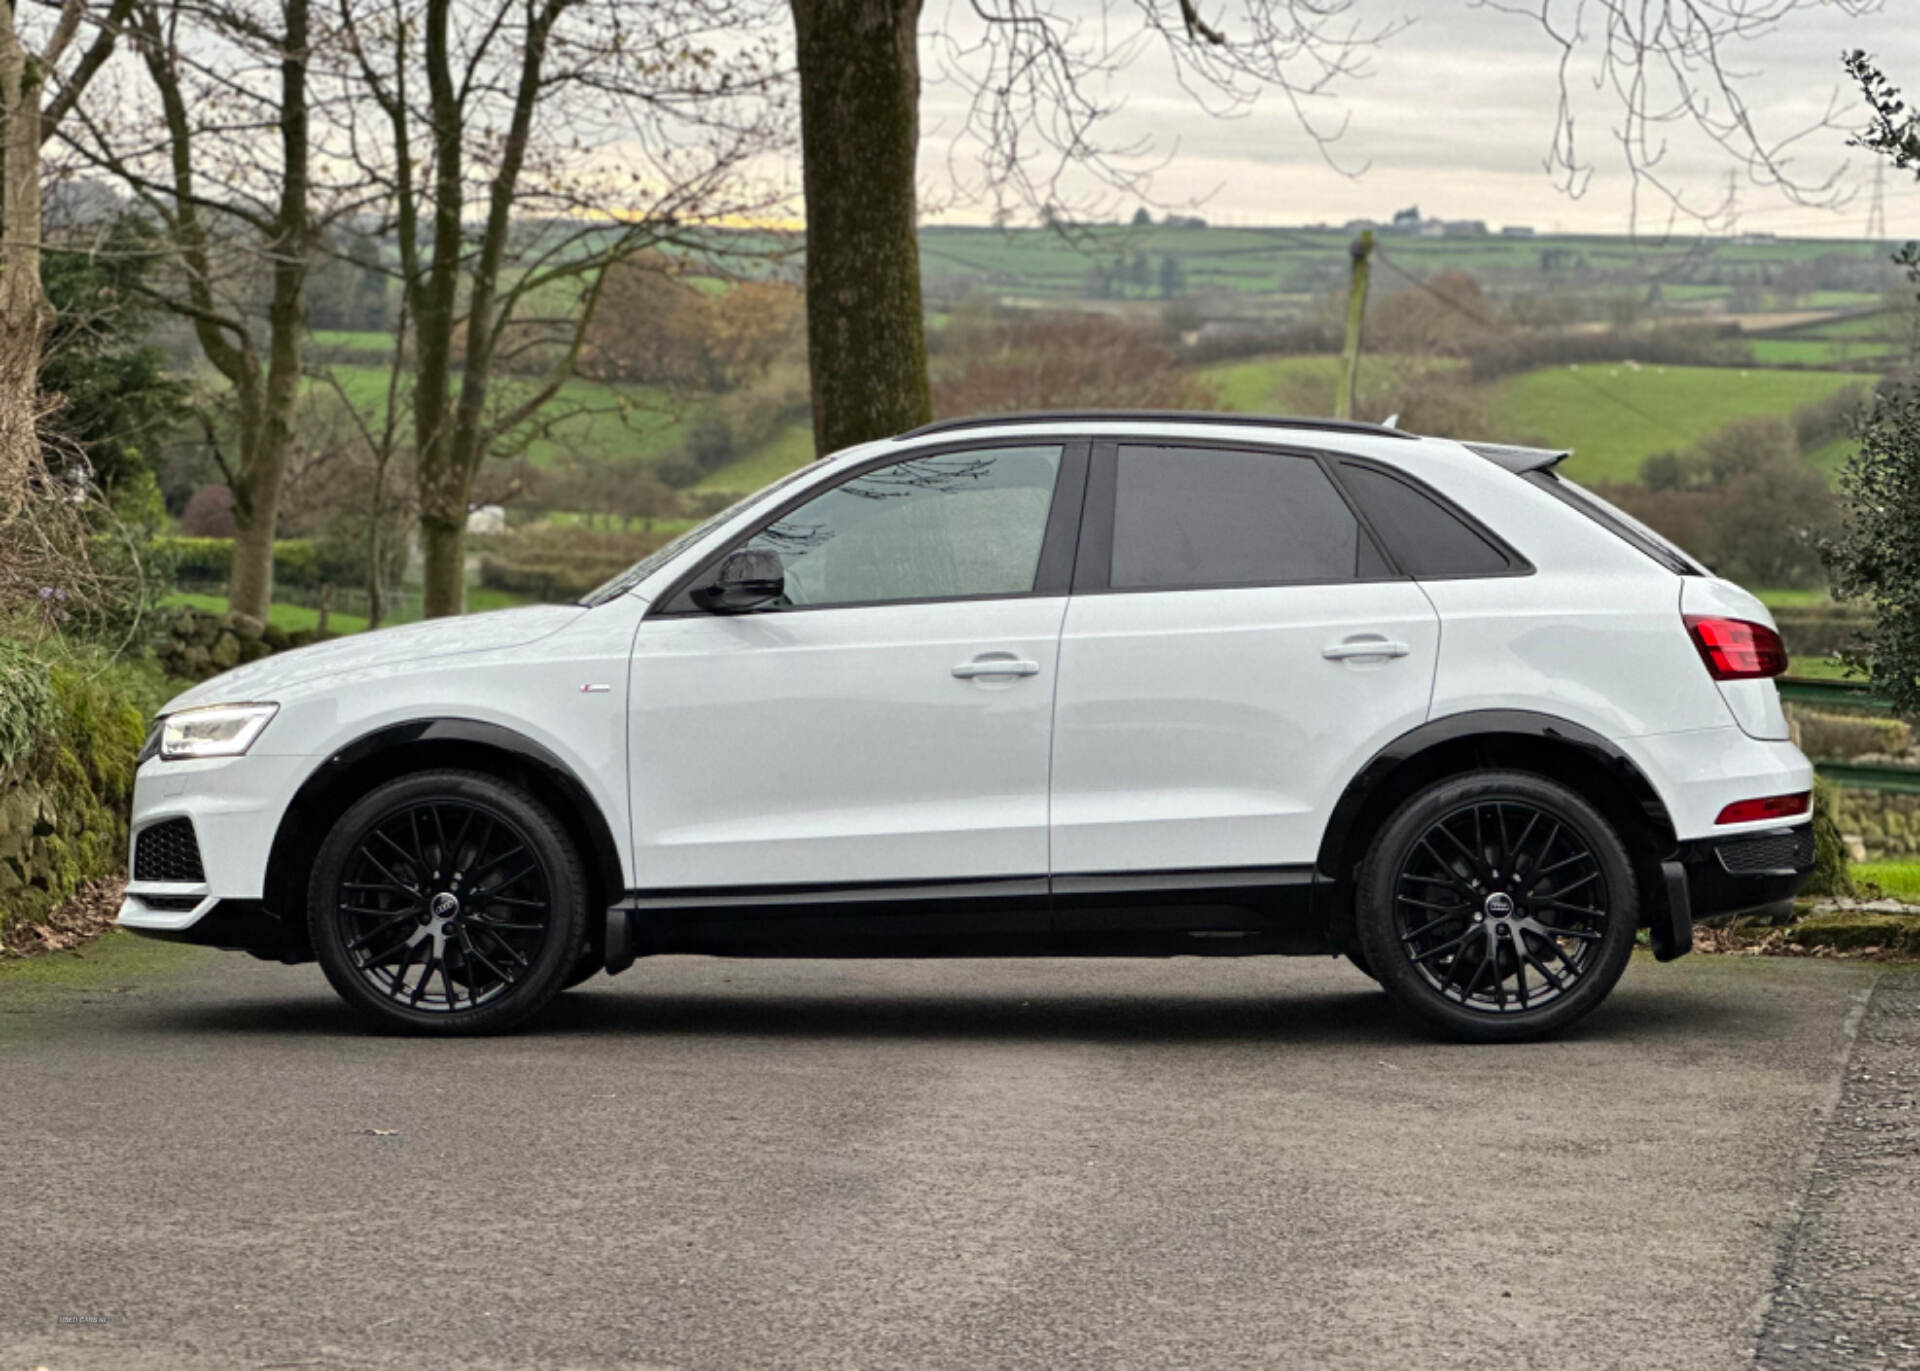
x: 996, y: 664
x: 1364, y: 645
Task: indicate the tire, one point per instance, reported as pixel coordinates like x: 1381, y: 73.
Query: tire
x: 584, y: 970
x: 1507, y: 932
x: 393, y: 914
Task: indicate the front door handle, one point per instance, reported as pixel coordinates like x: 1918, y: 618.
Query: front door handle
x: 1364, y: 645
x: 996, y: 664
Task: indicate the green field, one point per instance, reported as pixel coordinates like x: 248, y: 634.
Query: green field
x: 290, y: 618
x: 1819, y: 669
x: 1900, y: 880
x: 589, y: 419
x: 294, y: 618
x: 791, y: 447
x: 1614, y: 417
x: 1042, y: 263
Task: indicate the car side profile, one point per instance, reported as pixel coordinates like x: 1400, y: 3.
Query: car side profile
x: 1062, y: 684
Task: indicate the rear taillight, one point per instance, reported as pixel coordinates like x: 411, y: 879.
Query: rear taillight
x: 1767, y: 807
x: 1735, y: 649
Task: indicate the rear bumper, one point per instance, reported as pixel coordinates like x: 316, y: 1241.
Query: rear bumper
x: 1717, y: 876
x: 1752, y: 871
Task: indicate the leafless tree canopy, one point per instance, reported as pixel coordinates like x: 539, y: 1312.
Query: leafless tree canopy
x: 1034, y: 73
x: 1672, y: 66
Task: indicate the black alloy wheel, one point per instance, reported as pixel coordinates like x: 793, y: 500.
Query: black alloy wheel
x: 448, y: 902
x: 1498, y: 906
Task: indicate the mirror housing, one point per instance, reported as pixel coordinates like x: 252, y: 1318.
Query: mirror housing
x: 749, y: 579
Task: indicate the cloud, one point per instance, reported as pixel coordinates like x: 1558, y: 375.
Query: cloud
x: 1456, y: 112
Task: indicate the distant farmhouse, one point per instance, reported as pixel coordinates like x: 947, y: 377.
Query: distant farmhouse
x: 1410, y: 222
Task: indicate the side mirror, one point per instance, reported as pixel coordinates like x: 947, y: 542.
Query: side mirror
x: 748, y: 579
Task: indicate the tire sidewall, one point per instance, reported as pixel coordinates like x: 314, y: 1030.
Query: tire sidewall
x: 549, y: 843
x: 1379, y: 937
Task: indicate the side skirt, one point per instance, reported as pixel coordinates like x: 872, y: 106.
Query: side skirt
x: 1240, y: 912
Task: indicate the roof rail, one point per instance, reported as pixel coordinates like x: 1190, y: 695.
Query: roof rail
x: 1157, y: 416
x: 1520, y: 458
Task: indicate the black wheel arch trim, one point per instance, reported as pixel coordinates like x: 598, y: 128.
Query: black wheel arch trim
x: 1488, y: 724
x: 601, y: 848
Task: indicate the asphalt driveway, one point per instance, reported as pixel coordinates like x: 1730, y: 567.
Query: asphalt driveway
x: 1111, y: 1164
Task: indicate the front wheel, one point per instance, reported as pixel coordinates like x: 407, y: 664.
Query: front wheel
x: 1497, y: 906
x: 448, y: 902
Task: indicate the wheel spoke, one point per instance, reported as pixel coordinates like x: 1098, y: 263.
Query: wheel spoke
x: 1542, y: 872
x: 1587, y: 879
x: 1566, y: 908
x: 481, y: 896
x: 1449, y: 946
x: 384, y: 870
x: 491, y: 900
x: 1475, y: 861
x: 1538, y: 965
x: 481, y: 957
x: 1552, y: 932
x: 1428, y: 928
x: 1449, y: 875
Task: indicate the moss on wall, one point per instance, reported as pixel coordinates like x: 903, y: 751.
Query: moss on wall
x: 66, y: 781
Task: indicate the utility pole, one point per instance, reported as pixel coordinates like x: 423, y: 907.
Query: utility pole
x: 1361, y: 251
x: 1877, y: 211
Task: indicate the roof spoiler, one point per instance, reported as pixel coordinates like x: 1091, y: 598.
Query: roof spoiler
x: 1520, y: 458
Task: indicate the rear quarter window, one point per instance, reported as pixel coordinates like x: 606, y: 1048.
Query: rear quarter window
x: 1425, y: 538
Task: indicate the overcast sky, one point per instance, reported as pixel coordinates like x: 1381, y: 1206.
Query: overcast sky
x: 1455, y: 115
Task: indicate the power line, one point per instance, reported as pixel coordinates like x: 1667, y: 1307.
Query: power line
x: 1877, y: 211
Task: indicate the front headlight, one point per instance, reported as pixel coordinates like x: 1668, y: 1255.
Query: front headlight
x: 212, y: 731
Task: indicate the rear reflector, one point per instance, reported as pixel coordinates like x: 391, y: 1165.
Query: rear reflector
x: 1768, y: 807
x: 1736, y: 650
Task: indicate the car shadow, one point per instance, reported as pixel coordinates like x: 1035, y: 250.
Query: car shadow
x: 1352, y: 1017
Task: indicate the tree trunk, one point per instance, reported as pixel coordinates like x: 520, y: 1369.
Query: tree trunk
x: 24, y: 312
x: 859, y: 133
x: 443, y: 545
x: 435, y: 308
x: 250, y: 579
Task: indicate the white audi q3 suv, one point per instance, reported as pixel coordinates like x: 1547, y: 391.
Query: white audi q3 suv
x: 1066, y: 684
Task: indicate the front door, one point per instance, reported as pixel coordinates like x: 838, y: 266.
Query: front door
x: 886, y: 724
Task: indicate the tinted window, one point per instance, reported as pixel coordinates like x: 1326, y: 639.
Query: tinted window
x: 1422, y: 535
x: 1210, y: 517
x: 938, y: 527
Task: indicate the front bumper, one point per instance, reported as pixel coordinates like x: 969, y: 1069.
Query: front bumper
x: 234, y: 805
x: 1707, y: 877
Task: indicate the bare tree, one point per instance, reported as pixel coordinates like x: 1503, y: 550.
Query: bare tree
x: 526, y: 146
x: 38, y: 89
x: 218, y: 146
x: 1035, y: 73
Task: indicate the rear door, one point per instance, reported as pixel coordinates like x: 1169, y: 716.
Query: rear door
x: 1235, y: 648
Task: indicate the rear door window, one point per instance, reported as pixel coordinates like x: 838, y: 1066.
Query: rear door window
x: 1193, y: 517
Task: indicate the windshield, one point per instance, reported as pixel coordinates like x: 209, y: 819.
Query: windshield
x: 660, y: 556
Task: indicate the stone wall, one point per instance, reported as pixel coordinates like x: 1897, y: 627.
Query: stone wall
x: 65, y: 792
x: 199, y: 643
x: 1887, y: 824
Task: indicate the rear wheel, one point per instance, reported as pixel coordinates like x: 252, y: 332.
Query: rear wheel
x: 1497, y: 906
x: 448, y: 902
